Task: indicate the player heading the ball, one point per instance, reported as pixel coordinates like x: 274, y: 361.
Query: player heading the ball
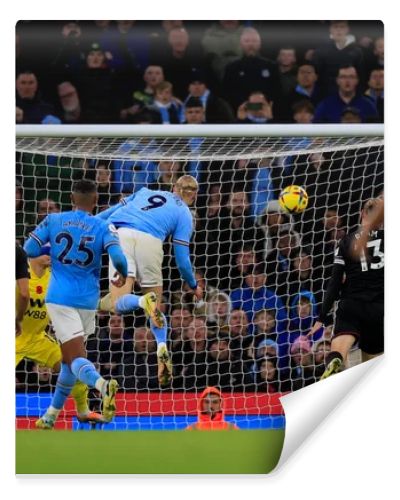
x: 143, y: 222
x: 77, y: 240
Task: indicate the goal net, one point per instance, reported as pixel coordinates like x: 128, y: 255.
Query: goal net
x: 264, y: 271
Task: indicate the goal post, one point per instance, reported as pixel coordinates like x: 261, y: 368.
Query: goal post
x: 264, y: 271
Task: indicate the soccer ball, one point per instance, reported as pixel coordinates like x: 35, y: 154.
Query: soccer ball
x: 293, y: 199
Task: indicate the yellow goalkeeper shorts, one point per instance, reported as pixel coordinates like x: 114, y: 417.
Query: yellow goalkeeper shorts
x: 39, y: 348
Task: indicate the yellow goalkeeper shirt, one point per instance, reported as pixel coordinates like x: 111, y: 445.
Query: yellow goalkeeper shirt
x: 36, y: 317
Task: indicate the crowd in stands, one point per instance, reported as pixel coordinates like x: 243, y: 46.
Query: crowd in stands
x: 173, y: 72
x: 263, y: 271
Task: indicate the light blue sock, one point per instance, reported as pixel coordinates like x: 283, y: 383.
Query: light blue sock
x: 160, y: 333
x: 65, y: 382
x: 127, y: 303
x: 84, y: 370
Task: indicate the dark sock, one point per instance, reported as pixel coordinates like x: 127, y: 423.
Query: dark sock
x: 333, y: 355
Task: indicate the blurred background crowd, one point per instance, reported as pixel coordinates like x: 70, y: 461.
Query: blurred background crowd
x: 199, y: 72
x: 263, y: 271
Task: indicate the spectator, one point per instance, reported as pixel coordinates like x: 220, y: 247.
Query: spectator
x: 30, y: 106
x: 195, y: 357
x: 194, y: 111
x: 376, y: 58
x: 47, y: 206
x: 307, y: 89
x: 138, y: 99
x: 217, y: 110
x: 71, y: 51
x: 251, y: 72
x: 303, y: 112
x: 222, y: 370
x: 302, y: 314
x: 302, y: 369
x: 109, y: 347
x: 268, y: 376
x: 181, y: 317
x: 70, y: 103
x: 339, y: 52
x: 167, y: 174
x: 255, y: 296
x: 321, y: 349
x: 264, y: 326
x: 299, y: 277
x: 140, y: 367
x: 104, y: 189
x: 279, y: 260
x: 128, y: 47
x: 180, y: 61
x: 267, y: 348
x: 257, y: 109
x: 221, y: 43
x: 238, y: 324
x: 270, y: 221
x: 287, y: 70
x: 218, y: 310
x: 211, y: 413
x: 350, y: 115
x: 165, y: 107
x: 330, y: 109
x: 375, y: 90
x: 245, y: 258
x: 96, y: 88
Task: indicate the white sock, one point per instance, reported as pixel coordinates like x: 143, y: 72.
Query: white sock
x: 54, y: 412
x: 101, y: 385
x: 141, y: 301
x: 160, y: 346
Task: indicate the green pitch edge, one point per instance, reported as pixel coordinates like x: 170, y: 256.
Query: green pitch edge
x: 148, y: 452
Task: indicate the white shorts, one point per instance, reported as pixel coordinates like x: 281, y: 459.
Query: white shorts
x: 144, y: 254
x: 70, y: 323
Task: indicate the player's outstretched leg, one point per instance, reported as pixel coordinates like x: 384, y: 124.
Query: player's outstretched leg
x: 148, y: 302
x: 85, y: 371
x: 83, y: 413
x: 65, y: 382
x: 163, y: 356
x: 334, y: 362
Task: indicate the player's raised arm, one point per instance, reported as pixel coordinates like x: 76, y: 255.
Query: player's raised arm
x: 332, y: 291
x: 113, y: 248
x: 37, y: 239
x: 180, y: 240
x: 105, y: 214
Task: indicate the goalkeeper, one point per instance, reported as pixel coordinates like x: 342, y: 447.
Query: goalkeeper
x: 143, y: 221
x: 33, y: 343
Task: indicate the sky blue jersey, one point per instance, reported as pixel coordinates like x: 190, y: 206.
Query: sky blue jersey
x: 159, y: 213
x: 77, y: 241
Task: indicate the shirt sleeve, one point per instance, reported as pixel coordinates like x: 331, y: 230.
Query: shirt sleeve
x: 105, y: 214
x: 335, y: 283
x: 38, y: 238
x: 183, y: 230
x: 112, y: 246
x: 21, y: 263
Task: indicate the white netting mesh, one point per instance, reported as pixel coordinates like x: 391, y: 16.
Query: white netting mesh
x: 264, y: 271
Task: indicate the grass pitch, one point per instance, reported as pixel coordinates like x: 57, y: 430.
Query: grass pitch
x: 148, y: 452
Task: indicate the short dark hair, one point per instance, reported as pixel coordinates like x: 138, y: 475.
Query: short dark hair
x: 84, y: 186
x: 193, y: 102
x: 351, y: 111
x: 303, y: 105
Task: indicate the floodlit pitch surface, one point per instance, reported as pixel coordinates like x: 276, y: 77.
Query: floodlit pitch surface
x: 148, y: 452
